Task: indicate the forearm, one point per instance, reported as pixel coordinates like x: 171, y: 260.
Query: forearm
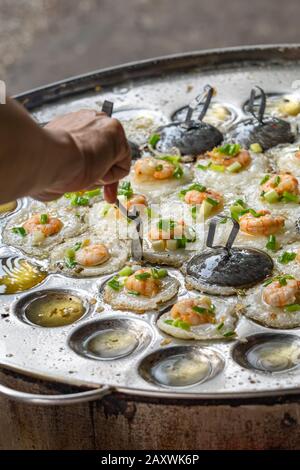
x: 76, y: 151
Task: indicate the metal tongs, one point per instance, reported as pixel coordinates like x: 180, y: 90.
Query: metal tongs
x: 134, y: 214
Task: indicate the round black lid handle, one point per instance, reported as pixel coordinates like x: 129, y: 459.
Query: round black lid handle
x: 261, y: 96
x: 212, y: 231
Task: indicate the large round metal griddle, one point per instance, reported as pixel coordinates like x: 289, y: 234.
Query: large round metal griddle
x: 159, y: 85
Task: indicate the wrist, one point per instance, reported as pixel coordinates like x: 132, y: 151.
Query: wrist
x: 59, y: 163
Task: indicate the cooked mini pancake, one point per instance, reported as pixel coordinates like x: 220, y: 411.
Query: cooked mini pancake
x: 259, y: 228
x: 286, y: 158
x: 276, y: 303
x: 89, y: 255
x: 140, y: 124
x: 276, y: 192
x: 157, y: 177
x: 107, y: 219
x: 104, y: 219
x: 35, y: 230
x: 140, y: 289
x: 283, y: 106
x: 200, y: 318
x: 194, y: 201
x: 230, y: 172
x: 170, y: 242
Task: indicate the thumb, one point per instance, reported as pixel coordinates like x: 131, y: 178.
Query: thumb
x: 110, y: 192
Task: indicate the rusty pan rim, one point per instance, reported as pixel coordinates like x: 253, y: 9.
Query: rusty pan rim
x: 148, y: 68
x: 158, y: 396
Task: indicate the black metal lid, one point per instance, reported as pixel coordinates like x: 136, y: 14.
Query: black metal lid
x: 227, y: 266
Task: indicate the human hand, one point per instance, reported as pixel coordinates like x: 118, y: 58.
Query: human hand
x: 84, y: 149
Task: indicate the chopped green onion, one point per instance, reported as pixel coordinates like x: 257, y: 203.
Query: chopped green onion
x: 289, y: 197
x: 194, y: 187
x: 70, y: 258
x: 133, y: 292
x: 77, y: 200
x: 125, y: 189
x: 105, y: 210
x: 292, y: 308
x: 254, y: 213
x: 178, y: 172
x: 181, y: 242
x: 44, y: 218
x: 179, y: 324
x: 198, y: 309
x: 159, y: 273
x: 70, y: 263
x: 228, y: 334
x: 166, y: 224
x: 153, y: 139
x: 158, y: 167
x: 194, y: 212
x: 70, y: 253
x: 238, y: 209
x: 229, y: 149
x: 280, y: 278
x: 93, y: 193
x: 142, y: 276
x: 204, y: 167
x: 213, y: 202
x: 19, y: 231
x: 240, y: 202
x: 265, y: 179
x: 268, y: 282
x: 271, y: 243
x: 220, y: 326
x: 77, y: 246
x: 114, y: 284
x: 234, y: 167
x: 287, y: 257
x: 126, y: 271
x: 271, y: 196
x: 277, y: 180
x: 256, y: 148
x: 174, y: 159
x: 204, y: 311
x: 219, y: 168
x: 82, y: 198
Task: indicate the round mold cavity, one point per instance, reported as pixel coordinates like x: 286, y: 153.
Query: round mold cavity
x: 110, y: 338
x: 139, y: 123
x: 181, y: 366
x: 19, y: 274
x: 61, y: 307
x: 180, y: 115
x: 13, y: 210
x: 268, y: 352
